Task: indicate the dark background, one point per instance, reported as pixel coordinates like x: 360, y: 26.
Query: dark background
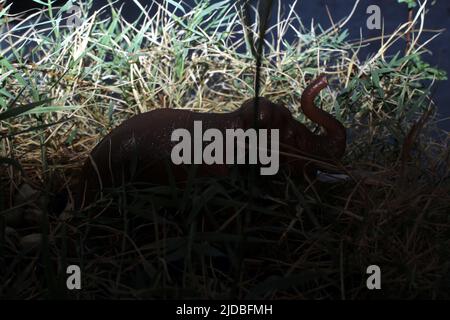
x: 393, y: 14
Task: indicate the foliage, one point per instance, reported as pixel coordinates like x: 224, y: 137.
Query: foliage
x: 302, y: 239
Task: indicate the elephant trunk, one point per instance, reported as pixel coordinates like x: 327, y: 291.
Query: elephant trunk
x: 333, y: 143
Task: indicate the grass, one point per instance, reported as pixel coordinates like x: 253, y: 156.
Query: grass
x: 221, y: 238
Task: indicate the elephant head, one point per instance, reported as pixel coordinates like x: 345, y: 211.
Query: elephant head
x: 295, y: 138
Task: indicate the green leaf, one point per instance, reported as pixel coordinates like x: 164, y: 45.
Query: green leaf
x: 17, y: 111
x: 411, y: 3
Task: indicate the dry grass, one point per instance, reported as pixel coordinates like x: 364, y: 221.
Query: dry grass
x: 291, y: 240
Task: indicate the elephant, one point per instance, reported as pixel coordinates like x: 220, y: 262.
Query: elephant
x: 138, y: 150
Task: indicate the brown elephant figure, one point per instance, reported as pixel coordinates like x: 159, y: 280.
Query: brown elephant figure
x: 139, y: 149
